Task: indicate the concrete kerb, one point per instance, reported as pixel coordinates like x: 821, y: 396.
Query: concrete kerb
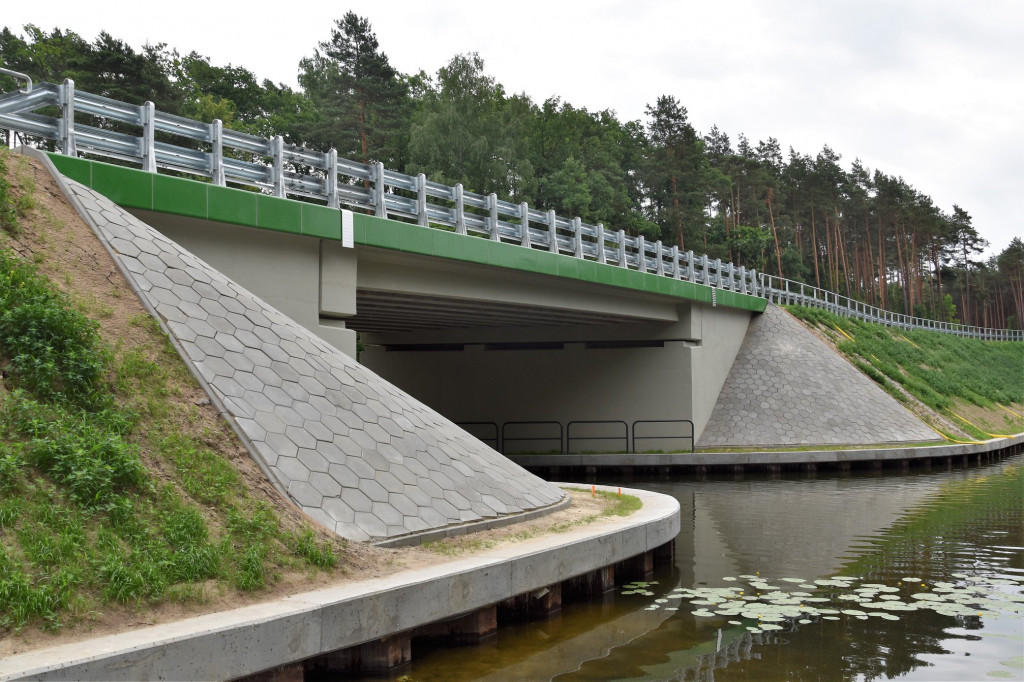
x: 254, y: 638
x: 717, y: 459
x: 473, y: 527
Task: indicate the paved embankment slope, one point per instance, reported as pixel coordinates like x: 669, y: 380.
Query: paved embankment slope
x: 789, y: 388
x: 355, y: 453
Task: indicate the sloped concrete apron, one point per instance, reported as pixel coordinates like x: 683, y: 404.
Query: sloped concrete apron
x: 354, y: 452
x: 247, y: 640
x: 787, y: 387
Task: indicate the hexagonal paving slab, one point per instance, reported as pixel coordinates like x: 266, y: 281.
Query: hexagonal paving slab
x: 337, y: 439
x: 782, y: 390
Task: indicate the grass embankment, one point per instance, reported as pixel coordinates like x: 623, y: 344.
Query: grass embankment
x: 973, y: 389
x: 116, y: 483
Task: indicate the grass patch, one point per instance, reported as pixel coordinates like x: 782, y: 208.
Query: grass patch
x: 110, y: 491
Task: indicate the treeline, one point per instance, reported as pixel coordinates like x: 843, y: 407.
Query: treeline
x: 856, y: 231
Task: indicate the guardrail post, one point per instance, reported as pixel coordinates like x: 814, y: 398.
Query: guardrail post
x: 277, y: 149
x: 524, y: 224
x: 421, y: 200
x: 460, y: 210
x: 217, y: 153
x: 718, y: 272
x: 691, y: 267
x: 67, y: 119
x: 676, y: 265
x: 622, y: 248
x: 332, y: 178
x: 492, y: 204
x: 552, y: 235
x: 743, y: 280
x: 380, y: 208
x: 602, y: 257
x: 147, y: 112
x: 660, y: 265
x: 577, y: 228
x: 641, y: 253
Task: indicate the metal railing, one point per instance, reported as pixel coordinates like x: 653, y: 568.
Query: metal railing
x: 225, y: 156
x: 780, y: 290
x: 211, y: 151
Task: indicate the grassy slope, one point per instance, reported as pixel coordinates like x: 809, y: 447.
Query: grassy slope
x: 117, y: 484
x: 973, y: 389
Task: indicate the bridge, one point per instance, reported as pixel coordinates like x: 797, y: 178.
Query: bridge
x: 537, y: 332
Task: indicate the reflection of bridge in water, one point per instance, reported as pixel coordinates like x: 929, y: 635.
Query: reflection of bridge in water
x: 734, y: 526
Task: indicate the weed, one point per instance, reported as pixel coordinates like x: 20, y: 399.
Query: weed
x: 124, y: 583
x: 254, y: 525
x: 10, y: 468
x: 251, y: 573
x: 206, y: 475
x: 321, y: 556
x: 93, y: 463
x: 54, y: 351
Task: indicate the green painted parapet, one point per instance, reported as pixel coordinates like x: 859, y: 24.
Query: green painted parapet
x: 134, y: 188
x: 137, y: 189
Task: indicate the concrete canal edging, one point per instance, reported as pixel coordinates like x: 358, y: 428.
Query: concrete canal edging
x: 776, y: 460
x: 372, y: 618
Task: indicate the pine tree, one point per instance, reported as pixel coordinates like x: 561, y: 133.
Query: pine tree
x: 360, y: 94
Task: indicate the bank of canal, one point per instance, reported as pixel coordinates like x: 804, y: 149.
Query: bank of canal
x: 940, y: 553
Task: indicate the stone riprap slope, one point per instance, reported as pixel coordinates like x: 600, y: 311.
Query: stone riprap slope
x: 788, y: 388
x: 354, y: 452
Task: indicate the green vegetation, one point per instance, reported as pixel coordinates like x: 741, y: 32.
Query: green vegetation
x: 107, y: 495
x: 861, y: 232
x: 944, y: 372
x: 954, y: 511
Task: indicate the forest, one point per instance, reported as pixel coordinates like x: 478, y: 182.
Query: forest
x: 807, y: 217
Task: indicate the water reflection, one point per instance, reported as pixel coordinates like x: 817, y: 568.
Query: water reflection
x: 879, y: 528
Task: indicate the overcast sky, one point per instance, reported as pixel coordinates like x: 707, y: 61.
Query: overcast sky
x: 931, y: 90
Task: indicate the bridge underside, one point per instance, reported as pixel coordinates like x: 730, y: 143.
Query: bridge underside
x: 484, y: 344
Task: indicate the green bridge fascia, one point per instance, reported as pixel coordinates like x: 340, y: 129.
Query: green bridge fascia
x: 135, y: 188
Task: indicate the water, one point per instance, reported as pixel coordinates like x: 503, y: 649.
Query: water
x: 949, y: 530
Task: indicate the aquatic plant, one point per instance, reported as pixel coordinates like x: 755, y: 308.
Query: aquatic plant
x: 762, y: 605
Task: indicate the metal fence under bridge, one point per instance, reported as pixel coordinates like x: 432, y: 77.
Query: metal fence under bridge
x: 591, y: 436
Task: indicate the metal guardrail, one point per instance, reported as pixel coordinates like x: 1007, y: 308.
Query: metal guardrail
x: 689, y: 436
x: 569, y: 437
x: 506, y: 438
x: 492, y: 440
x: 211, y: 151
x: 780, y: 290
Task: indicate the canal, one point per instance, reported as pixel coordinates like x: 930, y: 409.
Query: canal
x: 870, y: 576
